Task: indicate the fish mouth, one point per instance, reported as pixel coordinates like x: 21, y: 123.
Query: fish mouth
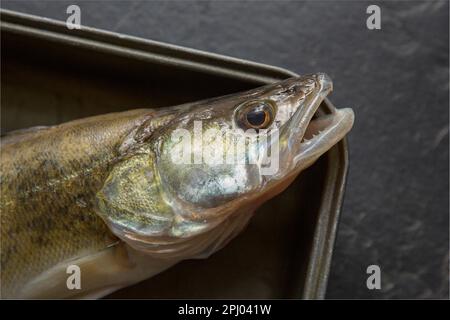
x: 311, y: 132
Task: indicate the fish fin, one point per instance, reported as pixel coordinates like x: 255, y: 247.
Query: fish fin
x: 19, y: 134
x: 96, y: 271
x: 100, y: 274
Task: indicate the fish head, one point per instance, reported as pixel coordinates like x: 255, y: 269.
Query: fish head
x: 191, y: 183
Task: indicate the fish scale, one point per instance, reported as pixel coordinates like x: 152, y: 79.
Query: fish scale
x: 42, y: 223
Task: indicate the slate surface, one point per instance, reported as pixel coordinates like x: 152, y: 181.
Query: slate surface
x: 396, y: 79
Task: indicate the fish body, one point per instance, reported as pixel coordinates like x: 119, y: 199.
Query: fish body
x: 105, y: 194
x: 48, y: 185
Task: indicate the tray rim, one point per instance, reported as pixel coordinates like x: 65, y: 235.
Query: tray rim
x: 144, y: 49
x: 318, y: 266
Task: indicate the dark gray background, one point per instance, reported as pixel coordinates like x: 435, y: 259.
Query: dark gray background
x: 396, y: 79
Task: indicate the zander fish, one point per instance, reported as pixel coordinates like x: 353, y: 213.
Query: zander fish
x: 107, y: 195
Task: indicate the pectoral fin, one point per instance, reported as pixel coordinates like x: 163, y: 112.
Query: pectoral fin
x: 115, y: 267
x: 98, y: 275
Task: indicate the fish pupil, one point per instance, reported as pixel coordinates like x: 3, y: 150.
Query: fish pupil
x: 256, y: 118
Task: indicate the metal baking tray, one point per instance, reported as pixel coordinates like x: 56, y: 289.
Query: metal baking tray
x: 51, y: 74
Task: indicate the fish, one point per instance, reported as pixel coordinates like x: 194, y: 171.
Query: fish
x: 121, y: 197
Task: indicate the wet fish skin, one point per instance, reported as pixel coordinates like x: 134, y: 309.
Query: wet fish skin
x: 80, y: 192
x: 48, y: 183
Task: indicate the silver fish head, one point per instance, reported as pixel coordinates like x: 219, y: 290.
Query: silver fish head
x: 189, y: 187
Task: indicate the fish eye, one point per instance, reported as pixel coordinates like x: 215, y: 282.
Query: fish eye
x: 256, y: 114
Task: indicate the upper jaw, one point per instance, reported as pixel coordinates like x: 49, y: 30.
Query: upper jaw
x: 296, y: 128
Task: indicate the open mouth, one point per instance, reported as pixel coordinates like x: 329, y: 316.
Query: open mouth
x: 328, y: 127
x: 317, y: 125
x: 314, y: 118
x: 323, y: 129
x: 312, y: 131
